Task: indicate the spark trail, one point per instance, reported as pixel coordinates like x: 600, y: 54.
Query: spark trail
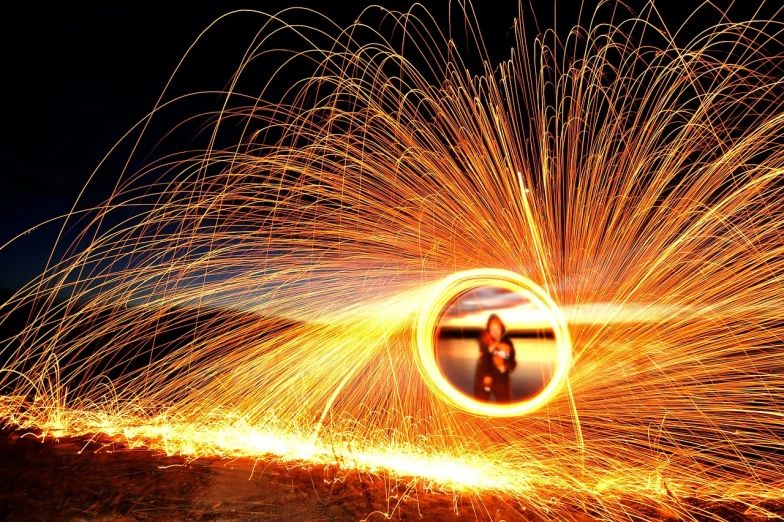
x: 262, y: 298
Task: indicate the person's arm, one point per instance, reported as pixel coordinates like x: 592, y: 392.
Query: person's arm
x: 482, y: 377
x: 485, y: 363
x: 484, y: 343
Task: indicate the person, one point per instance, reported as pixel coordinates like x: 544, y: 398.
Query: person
x: 496, y: 361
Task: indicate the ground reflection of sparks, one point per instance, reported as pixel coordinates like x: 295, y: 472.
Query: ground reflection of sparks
x: 262, y: 299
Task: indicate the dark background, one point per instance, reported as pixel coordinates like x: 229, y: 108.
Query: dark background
x: 75, y: 79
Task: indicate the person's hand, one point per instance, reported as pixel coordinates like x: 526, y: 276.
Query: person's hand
x: 500, y: 354
x: 488, y: 380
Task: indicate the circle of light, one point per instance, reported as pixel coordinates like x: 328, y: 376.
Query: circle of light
x: 443, y: 295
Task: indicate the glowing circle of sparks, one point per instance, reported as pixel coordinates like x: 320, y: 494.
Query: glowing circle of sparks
x: 442, y: 296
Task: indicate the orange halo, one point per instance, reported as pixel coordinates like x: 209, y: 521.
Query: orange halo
x: 443, y: 294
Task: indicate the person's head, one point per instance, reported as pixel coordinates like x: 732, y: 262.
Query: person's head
x: 496, y: 327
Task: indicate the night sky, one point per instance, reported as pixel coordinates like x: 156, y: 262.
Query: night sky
x: 76, y: 79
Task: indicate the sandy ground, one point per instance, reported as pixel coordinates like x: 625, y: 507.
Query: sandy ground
x: 72, y: 479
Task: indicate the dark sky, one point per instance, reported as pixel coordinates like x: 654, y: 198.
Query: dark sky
x: 75, y: 79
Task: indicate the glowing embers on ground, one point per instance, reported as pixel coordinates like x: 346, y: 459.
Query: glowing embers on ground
x: 485, y: 309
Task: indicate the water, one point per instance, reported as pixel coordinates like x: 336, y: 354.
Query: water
x: 457, y: 359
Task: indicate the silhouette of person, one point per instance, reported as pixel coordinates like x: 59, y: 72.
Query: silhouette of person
x: 496, y: 362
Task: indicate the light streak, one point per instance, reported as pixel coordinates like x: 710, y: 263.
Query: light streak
x: 445, y: 293
x: 263, y: 299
